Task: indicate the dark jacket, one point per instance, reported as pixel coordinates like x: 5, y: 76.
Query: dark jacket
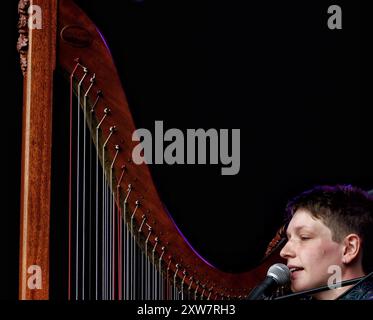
x: 363, y: 290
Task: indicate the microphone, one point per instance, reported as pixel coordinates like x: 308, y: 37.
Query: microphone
x: 277, y: 275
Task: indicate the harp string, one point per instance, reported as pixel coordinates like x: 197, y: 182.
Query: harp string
x: 110, y: 257
x: 100, y: 185
x: 113, y: 228
x: 84, y: 181
x: 77, y: 250
x: 89, y: 202
x: 96, y: 220
x: 120, y: 237
x: 70, y: 181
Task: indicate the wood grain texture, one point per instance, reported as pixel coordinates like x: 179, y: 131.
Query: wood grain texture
x: 36, y: 155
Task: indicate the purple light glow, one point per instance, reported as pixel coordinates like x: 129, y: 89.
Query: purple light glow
x: 186, y: 240
x: 103, y: 40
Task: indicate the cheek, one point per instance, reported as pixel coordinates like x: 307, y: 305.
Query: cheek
x: 313, y: 255
x: 332, y: 251
x: 323, y: 255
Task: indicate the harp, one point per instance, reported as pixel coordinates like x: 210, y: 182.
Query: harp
x: 122, y: 242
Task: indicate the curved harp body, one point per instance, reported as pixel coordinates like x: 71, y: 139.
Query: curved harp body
x: 122, y: 242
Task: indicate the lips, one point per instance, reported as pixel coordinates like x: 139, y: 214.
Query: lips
x: 293, y: 269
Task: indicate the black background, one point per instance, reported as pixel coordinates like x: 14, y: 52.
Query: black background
x: 272, y: 69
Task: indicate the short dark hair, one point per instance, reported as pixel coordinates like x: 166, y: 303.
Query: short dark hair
x: 344, y: 209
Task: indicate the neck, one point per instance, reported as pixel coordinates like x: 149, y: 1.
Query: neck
x: 335, y: 293
x: 331, y: 294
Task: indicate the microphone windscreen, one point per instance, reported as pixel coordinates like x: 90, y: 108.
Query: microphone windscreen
x: 280, y: 273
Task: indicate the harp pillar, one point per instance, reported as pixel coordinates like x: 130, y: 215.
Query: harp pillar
x: 36, y: 44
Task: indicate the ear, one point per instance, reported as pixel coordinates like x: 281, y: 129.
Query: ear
x: 352, y: 245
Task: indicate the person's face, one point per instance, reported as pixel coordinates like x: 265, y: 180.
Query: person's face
x: 311, y: 250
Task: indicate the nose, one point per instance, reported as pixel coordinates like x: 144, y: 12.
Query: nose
x: 287, y: 251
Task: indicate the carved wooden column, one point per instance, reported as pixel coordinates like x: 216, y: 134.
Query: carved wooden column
x: 36, y: 44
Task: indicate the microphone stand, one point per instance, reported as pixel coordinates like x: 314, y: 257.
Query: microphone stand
x: 316, y: 290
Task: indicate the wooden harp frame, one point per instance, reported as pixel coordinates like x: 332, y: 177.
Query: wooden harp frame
x: 67, y: 33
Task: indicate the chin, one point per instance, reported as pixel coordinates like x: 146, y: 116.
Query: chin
x: 297, y: 286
